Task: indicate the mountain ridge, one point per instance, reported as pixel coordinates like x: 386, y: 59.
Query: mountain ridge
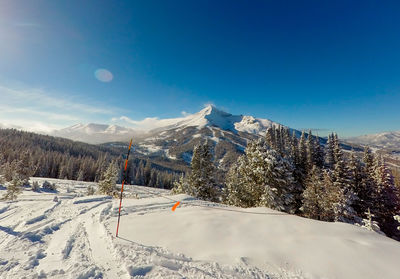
x: 210, y: 116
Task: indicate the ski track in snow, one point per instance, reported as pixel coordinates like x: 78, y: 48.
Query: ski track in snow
x: 71, y: 238
x: 75, y: 238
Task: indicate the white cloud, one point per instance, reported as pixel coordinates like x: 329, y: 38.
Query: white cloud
x: 47, y: 115
x: 39, y: 96
x: 41, y: 111
x: 150, y: 123
x: 184, y: 113
x: 29, y: 125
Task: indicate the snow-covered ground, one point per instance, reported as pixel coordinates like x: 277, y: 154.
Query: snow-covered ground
x: 74, y: 237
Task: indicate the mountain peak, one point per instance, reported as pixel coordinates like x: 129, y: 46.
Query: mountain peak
x: 211, y: 109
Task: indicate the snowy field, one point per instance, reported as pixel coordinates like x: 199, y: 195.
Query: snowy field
x: 74, y: 237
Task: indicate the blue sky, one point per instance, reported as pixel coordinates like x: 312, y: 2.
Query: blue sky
x: 326, y: 65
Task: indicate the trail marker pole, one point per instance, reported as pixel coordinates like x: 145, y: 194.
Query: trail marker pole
x: 122, y: 187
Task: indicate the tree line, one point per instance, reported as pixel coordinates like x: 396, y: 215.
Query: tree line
x: 28, y: 154
x: 301, y: 176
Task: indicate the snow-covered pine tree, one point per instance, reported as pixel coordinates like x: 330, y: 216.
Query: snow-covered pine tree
x: 313, y: 195
x: 276, y: 177
x: 298, y: 174
x: 202, y: 176
x: 237, y: 192
x: 329, y: 152
x: 287, y: 140
x: 270, y: 137
x: 252, y: 169
x: 182, y: 186
x: 147, y: 173
x: 81, y: 175
x: 108, y: 184
x: 386, y: 202
x: 14, y: 188
x: 355, y: 181
x: 331, y: 197
x: 278, y: 140
x: 370, y: 224
x: 318, y: 153
x: 303, y: 153
x: 367, y: 195
x: 294, y: 151
x: 24, y: 168
x: 310, y: 151
x: 344, y: 210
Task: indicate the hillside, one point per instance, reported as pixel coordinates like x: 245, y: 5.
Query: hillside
x: 75, y: 237
x: 47, y: 156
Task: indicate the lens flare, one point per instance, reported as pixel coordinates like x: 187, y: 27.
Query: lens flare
x: 103, y: 75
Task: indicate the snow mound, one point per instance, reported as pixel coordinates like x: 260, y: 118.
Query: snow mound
x: 261, y: 238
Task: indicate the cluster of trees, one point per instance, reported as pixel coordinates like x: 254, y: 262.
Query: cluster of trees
x: 303, y: 177
x: 29, y: 154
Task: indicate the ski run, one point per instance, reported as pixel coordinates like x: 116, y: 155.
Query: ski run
x: 73, y: 236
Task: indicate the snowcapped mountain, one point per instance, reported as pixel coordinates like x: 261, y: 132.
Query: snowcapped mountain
x: 210, y: 116
x: 175, y: 138
x: 388, y: 140
x: 227, y: 134
x: 95, y: 133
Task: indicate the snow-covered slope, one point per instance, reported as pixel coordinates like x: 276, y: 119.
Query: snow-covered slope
x: 382, y: 140
x: 74, y: 238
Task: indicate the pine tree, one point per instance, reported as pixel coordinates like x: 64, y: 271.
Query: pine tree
x: 329, y: 156
x: 303, y: 153
x: 202, y: 177
x: 14, y: 188
x: 270, y: 137
x: 313, y: 195
x: 108, y: 185
x: 386, y: 202
x: 330, y: 199
x: 182, y: 186
x: 355, y: 176
x: 370, y: 224
x: 344, y: 210
x: 81, y: 175
x: 24, y: 168
x: 318, y: 154
x: 236, y: 191
x: 310, y: 151
x: 278, y: 182
x: 368, y: 193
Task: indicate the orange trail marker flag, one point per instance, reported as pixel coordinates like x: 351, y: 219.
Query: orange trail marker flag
x: 175, y: 206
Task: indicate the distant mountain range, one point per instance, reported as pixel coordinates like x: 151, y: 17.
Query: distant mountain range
x: 174, y: 139
x: 386, y: 140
